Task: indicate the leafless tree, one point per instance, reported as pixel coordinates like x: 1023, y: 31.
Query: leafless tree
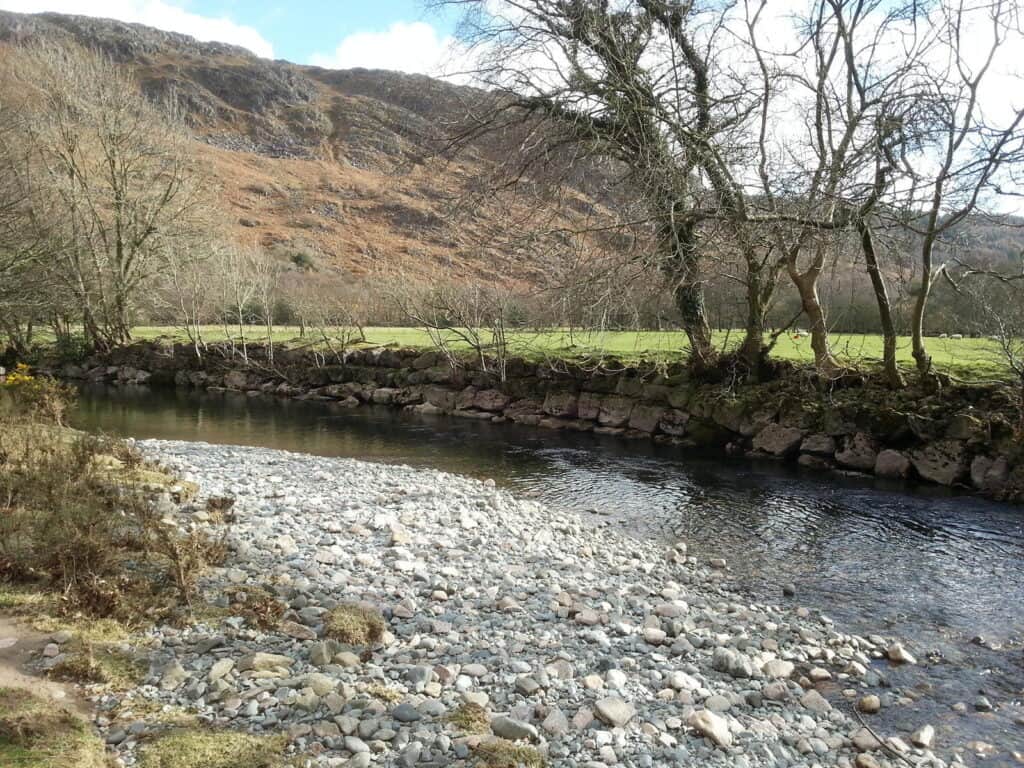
x: 641, y: 84
x: 112, y: 187
x: 236, y: 290
x: 188, y: 291
x: 965, y: 144
x: 461, y: 318
x: 264, y: 273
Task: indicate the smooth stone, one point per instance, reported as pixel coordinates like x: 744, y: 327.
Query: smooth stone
x: 714, y: 727
x: 614, y: 711
x: 512, y: 729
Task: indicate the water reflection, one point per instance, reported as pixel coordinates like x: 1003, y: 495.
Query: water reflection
x: 931, y: 567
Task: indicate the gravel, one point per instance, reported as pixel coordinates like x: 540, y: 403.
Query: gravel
x: 592, y: 645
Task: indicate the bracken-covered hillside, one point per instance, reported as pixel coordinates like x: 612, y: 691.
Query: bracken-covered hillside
x: 342, y: 164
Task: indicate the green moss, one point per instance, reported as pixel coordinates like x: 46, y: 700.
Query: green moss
x: 501, y: 753
x: 470, y: 719
x: 38, y: 734
x: 196, y: 748
x: 354, y: 624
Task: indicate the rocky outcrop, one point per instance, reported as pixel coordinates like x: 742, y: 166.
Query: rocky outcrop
x: 908, y: 440
x: 892, y: 464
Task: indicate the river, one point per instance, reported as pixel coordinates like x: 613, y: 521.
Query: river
x: 941, y: 571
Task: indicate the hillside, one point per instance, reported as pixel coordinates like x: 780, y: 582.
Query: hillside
x: 339, y: 163
x: 344, y: 166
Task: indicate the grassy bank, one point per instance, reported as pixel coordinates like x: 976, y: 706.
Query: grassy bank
x: 969, y: 359
x: 89, y: 559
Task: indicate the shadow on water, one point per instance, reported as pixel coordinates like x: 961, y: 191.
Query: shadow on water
x: 931, y: 567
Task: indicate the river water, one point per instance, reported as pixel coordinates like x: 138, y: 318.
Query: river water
x: 943, y: 572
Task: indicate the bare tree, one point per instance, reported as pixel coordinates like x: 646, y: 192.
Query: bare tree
x: 634, y: 84
x: 961, y: 149
x: 111, y: 181
x: 236, y: 290
x: 264, y: 272
x: 471, y: 318
x: 190, y: 275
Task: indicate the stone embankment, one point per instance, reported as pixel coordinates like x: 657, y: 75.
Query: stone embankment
x: 959, y: 437
x: 507, y: 629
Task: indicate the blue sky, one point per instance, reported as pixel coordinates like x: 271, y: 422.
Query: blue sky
x: 393, y: 34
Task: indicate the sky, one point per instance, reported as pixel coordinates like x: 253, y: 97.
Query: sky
x: 384, y: 34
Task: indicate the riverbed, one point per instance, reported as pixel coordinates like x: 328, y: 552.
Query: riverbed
x: 940, y: 570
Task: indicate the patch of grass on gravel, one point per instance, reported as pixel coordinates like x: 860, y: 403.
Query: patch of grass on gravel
x: 39, y: 734
x: 354, y: 624
x: 196, y: 748
x: 502, y: 753
x: 470, y: 719
x: 101, y: 665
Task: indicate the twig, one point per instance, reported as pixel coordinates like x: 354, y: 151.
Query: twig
x: 881, y: 741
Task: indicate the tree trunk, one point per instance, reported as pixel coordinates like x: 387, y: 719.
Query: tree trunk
x: 807, y: 286
x: 689, y: 300
x: 921, y: 356
x: 762, y: 277
x: 891, y: 370
x: 683, y: 268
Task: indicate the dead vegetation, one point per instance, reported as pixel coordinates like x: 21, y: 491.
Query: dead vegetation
x: 80, y: 518
x: 258, y: 605
x: 39, y: 734
x: 354, y: 624
x: 470, y: 718
x: 194, y: 748
x: 502, y: 753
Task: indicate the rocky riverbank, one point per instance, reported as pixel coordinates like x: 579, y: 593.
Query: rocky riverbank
x: 509, y: 634
x: 965, y: 436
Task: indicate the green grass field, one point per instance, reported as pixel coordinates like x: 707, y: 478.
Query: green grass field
x: 970, y: 359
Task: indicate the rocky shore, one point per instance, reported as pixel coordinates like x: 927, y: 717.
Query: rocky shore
x: 965, y: 436
x: 505, y: 625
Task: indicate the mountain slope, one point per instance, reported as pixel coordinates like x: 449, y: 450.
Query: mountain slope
x: 339, y: 163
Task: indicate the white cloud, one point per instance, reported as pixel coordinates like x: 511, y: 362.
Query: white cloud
x: 414, y: 47
x: 154, y: 13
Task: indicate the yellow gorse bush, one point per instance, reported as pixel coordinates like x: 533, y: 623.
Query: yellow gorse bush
x: 36, y: 397
x: 21, y: 376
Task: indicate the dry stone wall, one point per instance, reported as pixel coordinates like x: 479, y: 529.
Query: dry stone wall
x: 966, y: 437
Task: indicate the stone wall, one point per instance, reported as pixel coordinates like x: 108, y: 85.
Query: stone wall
x: 961, y: 437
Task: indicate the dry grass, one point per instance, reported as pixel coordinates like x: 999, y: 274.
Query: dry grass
x: 383, y: 693
x: 38, y: 734
x: 77, y: 518
x: 194, y: 748
x: 501, y: 753
x: 101, y: 665
x: 470, y: 719
x: 354, y: 624
x: 258, y: 605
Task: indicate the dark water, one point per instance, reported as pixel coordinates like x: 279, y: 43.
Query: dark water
x: 933, y: 568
